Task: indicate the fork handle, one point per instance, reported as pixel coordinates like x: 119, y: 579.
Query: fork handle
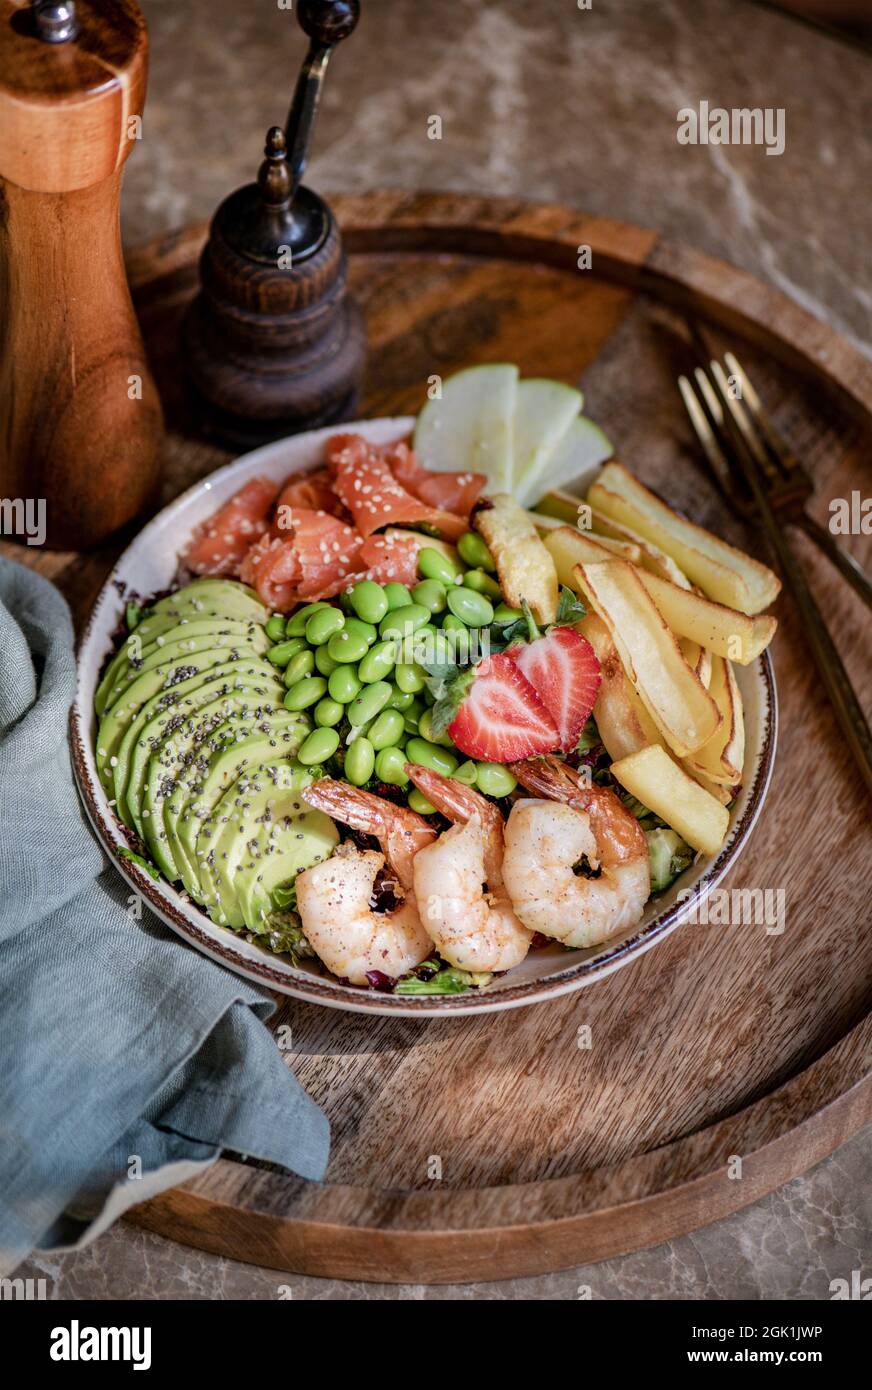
x: 848, y: 567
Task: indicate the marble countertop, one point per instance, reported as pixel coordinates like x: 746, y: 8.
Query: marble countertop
x: 548, y: 101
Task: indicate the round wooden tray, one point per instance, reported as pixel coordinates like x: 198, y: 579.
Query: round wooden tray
x: 478, y: 1149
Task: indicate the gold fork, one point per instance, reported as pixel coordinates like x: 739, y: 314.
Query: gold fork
x: 734, y: 448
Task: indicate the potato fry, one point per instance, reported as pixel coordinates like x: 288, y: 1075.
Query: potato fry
x: 665, y: 788
x: 626, y: 549
x: 671, y: 692
x: 623, y: 722
x: 721, y: 759
x: 725, y: 631
x: 652, y: 558
x: 525, y: 568
x: 569, y: 547
x: 722, y: 572
x: 698, y: 658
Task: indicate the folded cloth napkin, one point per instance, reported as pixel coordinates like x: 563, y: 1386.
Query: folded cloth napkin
x: 127, y: 1060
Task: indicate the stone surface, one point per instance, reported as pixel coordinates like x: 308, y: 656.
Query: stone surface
x: 552, y: 102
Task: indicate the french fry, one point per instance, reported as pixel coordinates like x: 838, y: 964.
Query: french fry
x: 665, y: 788
x: 651, y: 558
x: 698, y: 658
x: 569, y: 547
x: 627, y: 550
x: 623, y: 722
x: 721, y: 759
x: 725, y: 631
x: 525, y: 568
x: 722, y: 572
x: 671, y: 692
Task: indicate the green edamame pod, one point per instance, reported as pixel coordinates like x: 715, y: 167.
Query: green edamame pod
x: 300, y: 665
x: 495, y: 779
x: 369, y: 600
x: 306, y: 692
x: 389, y: 767
x: 344, y: 684
x: 328, y: 712
x: 370, y: 702
x: 378, y: 662
x: 433, y: 564
x: 318, y: 747
x: 419, y: 750
x: 418, y: 802
x: 281, y: 654
x: 275, y: 627
x: 296, y: 624
x: 359, y: 761
x: 322, y: 625
x: 473, y: 552
x: 471, y: 608
x: 386, y: 730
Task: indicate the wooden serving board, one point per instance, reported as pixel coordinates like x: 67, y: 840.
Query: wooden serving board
x: 470, y: 1149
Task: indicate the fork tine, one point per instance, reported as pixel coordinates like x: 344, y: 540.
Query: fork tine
x: 705, y: 434
x: 778, y: 447
x: 741, y: 420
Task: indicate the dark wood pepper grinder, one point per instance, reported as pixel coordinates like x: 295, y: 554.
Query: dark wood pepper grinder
x: 80, y: 419
x: 274, y: 341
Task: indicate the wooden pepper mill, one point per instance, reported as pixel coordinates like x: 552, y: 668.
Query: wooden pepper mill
x: 80, y: 419
x: 275, y: 343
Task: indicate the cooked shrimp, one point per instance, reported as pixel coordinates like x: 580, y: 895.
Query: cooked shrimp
x: 474, y: 929
x: 334, y: 897
x: 546, y: 839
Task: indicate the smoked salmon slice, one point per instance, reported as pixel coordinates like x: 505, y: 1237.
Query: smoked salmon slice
x: 309, y: 557
x: 221, y: 544
x: 449, y: 492
x: 363, y: 480
x: 314, y: 491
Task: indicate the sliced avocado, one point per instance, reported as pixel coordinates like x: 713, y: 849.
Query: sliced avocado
x: 186, y: 639
x: 254, y: 674
x: 259, y: 818
x: 297, y: 839
x: 237, y: 746
x: 118, y: 719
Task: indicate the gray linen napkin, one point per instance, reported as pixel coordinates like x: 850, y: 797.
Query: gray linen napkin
x: 127, y: 1060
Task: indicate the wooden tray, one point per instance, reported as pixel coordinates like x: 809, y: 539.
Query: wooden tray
x: 477, y: 1149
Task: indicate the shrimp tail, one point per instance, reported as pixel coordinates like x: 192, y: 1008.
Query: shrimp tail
x: 616, y: 829
x: 399, y: 831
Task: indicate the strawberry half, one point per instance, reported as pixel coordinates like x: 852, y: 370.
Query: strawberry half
x: 563, y: 670
x: 501, y: 718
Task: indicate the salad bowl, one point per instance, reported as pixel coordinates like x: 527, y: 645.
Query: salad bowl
x: 150, y: 565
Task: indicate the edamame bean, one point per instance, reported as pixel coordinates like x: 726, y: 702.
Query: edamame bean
x: 328, y: 712
x: 410, y: 725
x: 430, y: 594
x: 400, y: 699
x: 366, y: 630
x: 322, y: 625
x: 504, y: 614
x: 359, y: 761
x: 425, y: 728
x: 275, y: 627
x: 397, y: 595
x: 471, y: 608
x: 378, y: 662
x: 318, y: 747
x: 418, y: 802
x: 466, y: 773
x: 347, y: 645
x: 324, y: 661
x: 386, y: 730
x: 419, y: 750
x: 303, y: 664
x: 389, y: 767
x: 369, y: 600
x: 401, y: 622
x: 410, y: 677
x: 296, y: 624
x: 482, y: 584
x: 369, y: 702
x: 281, y: 654
x: 344, y: 684
x: 452, y: 624
x: 433, y: 564
x: 306, y: 692
x: 495, y: 779
x: 473, y: 552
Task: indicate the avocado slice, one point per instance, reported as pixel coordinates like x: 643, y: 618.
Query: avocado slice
x: 158, y: 679
x: 188, y: 748
x: 237, y: 747
x: 259, y: 818
x: 255, y: 675
x: 186, y: 639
